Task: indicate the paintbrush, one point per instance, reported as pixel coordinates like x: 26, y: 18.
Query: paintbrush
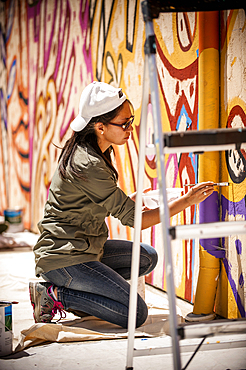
x: 215, y: 184
x: 9, y: 302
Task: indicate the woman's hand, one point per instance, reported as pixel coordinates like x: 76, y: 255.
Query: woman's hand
x: 196, y: 194
x: 199, y: 193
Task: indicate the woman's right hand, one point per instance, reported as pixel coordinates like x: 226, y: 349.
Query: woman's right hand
x: 196, y: 194
x: 199, y: 192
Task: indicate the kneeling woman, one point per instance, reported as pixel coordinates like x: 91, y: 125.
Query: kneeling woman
x: 84, y: 271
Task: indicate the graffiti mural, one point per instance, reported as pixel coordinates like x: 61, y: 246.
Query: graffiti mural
x: 179, y: 89
x: 118, y: 55
x: 233, y: 201
x: 17, y: 108
x: 236, y: 159
x: 50, y: 50
x: 3, y: 107
x: 59, y: 60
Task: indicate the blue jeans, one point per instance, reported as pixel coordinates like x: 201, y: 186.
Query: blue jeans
x: 99, y: 288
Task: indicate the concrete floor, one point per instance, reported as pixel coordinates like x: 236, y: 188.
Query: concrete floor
x: 17, y: 268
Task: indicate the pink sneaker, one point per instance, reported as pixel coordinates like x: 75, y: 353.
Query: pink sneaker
x: 44, y: 306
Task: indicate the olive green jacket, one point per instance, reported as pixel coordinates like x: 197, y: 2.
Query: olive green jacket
x: 73, y: 229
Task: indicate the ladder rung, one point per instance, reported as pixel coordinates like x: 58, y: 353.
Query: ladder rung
x: 174, y: 6
x: 212, y: 328
x: 150, y: 149
x: 222, y: 136
x: 208, y: 230
x: 199, y: 141
x: 220, y: 334
x: 192, y: 347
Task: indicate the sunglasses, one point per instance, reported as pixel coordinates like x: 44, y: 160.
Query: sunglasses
x: 125, y: 125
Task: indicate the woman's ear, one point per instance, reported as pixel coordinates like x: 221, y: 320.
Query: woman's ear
x: 99, y: 127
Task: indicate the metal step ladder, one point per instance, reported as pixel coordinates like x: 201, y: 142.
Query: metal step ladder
x: 173, y: 142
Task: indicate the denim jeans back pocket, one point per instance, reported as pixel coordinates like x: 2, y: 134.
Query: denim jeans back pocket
x: 59, y: 277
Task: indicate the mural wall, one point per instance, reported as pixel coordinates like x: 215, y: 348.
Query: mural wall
x: 50, y: 50
x: 232, y: 283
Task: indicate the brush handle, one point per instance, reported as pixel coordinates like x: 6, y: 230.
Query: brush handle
x: 216, y: 184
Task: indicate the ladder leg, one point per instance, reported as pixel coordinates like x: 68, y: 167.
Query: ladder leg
x: 137, y: 221
x: 164, y: 210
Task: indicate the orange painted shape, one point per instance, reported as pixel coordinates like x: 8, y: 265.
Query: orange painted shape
x: 208, y: 30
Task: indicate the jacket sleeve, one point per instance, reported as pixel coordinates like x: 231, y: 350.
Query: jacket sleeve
x: 101, y: 188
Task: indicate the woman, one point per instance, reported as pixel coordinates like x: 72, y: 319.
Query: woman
x: 85, y: 272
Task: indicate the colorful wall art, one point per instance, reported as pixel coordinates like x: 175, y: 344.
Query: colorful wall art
x: 50, y: 50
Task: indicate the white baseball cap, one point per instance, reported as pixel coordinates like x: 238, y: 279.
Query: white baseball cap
x: 97, y: 98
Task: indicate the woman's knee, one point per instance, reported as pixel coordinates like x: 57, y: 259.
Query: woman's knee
x: 142, y: 312
x: 151, y: 254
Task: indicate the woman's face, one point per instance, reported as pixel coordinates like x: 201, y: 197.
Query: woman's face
x: 110, y: 134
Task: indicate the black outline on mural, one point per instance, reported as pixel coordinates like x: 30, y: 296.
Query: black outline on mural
x: 117, y: 73
x: 102, y: 28
x: 236, y: 111
x: 129, y: 44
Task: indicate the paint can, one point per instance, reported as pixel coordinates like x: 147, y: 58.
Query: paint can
x: 13, y: 217
x: 5, y: 328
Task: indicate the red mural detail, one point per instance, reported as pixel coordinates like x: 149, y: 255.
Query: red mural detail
x: 188, y: 264
x: 224, y: 26
x: 183, y: 27
x: 19, y: 130
x: 187, y: 175
x: 184, y: 98
x: 184, y: 94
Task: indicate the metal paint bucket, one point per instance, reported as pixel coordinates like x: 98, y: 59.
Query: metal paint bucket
x: 14, y: 219
x: 5, y: 328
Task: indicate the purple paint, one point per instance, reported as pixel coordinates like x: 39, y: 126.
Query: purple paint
x: 33, y: 17
x: 47, y: 50
x: 85, y: 24
x: 33, y: 13
x: 234, y: 208
x: 62, y: 29
x: 241, y: 280
x: 72, y: 62
x: 2, y: 47
x: 238, y: 244
x: 209, y: 212
x: 3, y: 106
x: 10, y: 19
x: 234, y: 288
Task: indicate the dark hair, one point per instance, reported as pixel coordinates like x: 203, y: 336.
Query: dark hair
x: 84, y: 137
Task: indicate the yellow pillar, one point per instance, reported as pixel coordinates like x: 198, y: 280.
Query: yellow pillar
x: 208, y: 162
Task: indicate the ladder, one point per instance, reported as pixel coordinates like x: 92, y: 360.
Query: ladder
x: 173, y: 142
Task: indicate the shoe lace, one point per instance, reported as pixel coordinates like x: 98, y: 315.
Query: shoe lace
x: 58, y: 307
